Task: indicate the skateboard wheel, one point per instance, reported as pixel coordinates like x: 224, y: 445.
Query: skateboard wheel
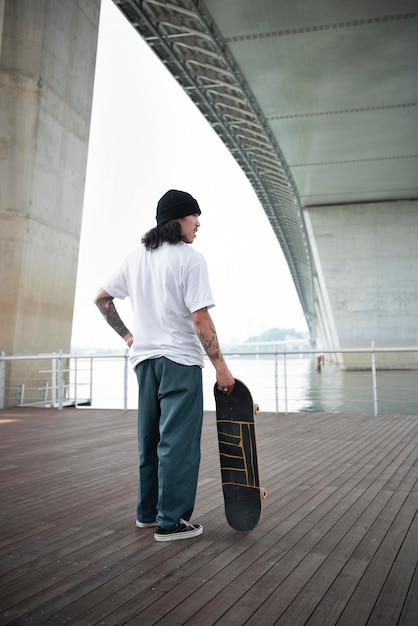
x: 256, y: 409
x: 263, y: 493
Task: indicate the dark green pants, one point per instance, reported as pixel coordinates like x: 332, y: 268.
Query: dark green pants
x: 170, y: 413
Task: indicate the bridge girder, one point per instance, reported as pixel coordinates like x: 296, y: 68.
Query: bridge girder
x: 188, y: 43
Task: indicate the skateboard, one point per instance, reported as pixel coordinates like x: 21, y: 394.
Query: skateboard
x: 238, y: 455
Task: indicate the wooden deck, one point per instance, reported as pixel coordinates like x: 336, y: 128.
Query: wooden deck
x: 337, y: 543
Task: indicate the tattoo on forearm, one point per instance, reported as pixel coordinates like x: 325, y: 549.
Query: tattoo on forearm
x: 211, y: 346
x: 109, y: 312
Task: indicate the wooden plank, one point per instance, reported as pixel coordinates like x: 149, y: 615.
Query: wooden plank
x: 303, y: 552
x: 410, y: 607
x: 349, y: 564
x: 182, y: 607
x: 337, y: 528
x: 394, y: 591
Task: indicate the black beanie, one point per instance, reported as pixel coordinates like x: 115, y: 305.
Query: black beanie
x: 175, y: 204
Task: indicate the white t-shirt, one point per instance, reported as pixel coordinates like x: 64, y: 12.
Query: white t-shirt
x: 165, y: 286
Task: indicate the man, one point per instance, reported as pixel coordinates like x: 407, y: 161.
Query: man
x: 167, y: 283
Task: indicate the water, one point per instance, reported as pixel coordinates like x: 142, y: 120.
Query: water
x: 295, y: 387
x: 301, y: 388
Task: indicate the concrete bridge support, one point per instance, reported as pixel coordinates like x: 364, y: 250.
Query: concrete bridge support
x: 47, y: 63
x: 366, y: 283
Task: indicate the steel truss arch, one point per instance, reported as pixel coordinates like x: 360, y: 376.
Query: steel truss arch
x: 186, y: 40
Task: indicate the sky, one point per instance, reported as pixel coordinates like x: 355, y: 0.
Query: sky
x: 147, y: 137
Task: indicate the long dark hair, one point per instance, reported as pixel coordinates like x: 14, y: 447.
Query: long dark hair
x: 169, y: 231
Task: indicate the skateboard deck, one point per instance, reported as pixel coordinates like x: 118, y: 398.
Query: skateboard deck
x: 238, y: 457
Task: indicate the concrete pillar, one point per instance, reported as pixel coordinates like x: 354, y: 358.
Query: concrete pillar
x: 47, y: 63
x: 366, y: 264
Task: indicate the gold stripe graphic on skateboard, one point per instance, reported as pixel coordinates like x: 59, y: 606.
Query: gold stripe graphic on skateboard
x: 238, y: 461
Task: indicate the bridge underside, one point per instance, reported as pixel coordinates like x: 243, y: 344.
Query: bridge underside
x: 318, y: 104
x: 316, y: 101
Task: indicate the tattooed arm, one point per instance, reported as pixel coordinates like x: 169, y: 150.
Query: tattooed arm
x: 205, y: 330
x: 104, y: 302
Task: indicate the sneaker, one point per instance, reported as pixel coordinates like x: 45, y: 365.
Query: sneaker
x: 183, y: 530
x: 145, y: 524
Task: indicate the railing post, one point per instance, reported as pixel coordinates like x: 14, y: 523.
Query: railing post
x: 75, y: 379
x: 20, y: 394
x: 276, y: 379
x: 44, y: 392
x: 2, y: 379
x: 285, y: 378
x: 125, y: 380
x: 60, y: 383
x: 373, y: 356
x: 91, y: 381
x: 54, y: 381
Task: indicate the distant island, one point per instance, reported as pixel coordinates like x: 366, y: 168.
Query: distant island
x: 278, y: 335
x: 268, y: 339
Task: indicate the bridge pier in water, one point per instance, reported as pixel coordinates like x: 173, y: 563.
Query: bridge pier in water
x: 366, y: 281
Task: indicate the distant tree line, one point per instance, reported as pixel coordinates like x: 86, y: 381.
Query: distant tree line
x: 261, y: 342
x: 277, y: 334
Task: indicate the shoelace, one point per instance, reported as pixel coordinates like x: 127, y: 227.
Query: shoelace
x: 183, y: 521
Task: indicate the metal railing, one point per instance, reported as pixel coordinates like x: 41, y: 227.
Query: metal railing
x: 281, y: 380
